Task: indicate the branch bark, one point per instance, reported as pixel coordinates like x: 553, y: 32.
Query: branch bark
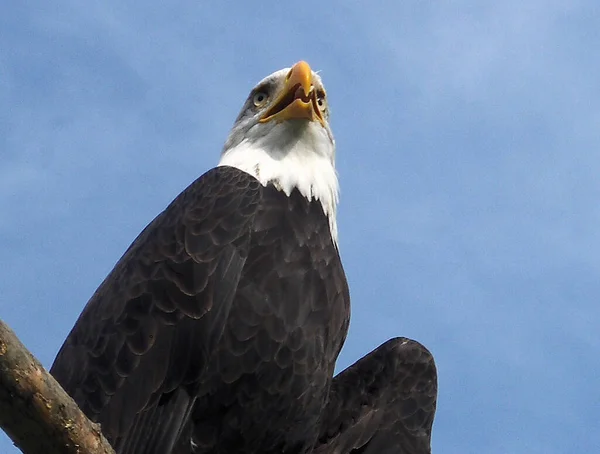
x: 36, y: 413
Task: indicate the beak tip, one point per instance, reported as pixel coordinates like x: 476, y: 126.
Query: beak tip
x: 301, y: 66
x: 301, y: 73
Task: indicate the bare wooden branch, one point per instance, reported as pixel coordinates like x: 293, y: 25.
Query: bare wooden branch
x: 36, y: 413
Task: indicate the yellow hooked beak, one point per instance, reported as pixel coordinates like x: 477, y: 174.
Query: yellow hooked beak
x: 297, y: 99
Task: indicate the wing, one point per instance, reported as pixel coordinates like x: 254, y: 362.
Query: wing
x: 383, y: 404
x: 133, y: 357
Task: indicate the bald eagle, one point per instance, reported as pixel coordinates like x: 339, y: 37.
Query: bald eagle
x: 219, y: 328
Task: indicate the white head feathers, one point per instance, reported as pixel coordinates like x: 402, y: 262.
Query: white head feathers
x: 295, y: 153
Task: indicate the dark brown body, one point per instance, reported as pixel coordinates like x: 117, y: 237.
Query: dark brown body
x: 218, y: 330
x: 232, y: 305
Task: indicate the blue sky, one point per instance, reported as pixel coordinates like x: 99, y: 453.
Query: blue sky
x: 468, y: 139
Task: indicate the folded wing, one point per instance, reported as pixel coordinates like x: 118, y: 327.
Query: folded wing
x: 383, y: 404
x: 140, y: 346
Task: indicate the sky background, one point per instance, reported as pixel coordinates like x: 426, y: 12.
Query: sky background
x: 468, y: 137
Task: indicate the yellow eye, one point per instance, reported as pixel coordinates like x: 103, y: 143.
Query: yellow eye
x: 260, y: 98
x: 321, y: 101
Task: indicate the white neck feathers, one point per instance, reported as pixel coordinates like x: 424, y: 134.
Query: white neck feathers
x: 287, y: 166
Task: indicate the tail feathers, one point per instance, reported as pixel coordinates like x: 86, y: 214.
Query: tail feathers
x: 156, y: 429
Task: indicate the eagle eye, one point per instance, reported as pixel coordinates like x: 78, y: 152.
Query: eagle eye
x: 321, y: 101
x: 260, y: 98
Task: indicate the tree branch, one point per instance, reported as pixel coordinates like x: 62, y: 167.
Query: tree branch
x: 36, y: 413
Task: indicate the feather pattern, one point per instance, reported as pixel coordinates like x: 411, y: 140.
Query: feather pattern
x: 231, y: 306
x: 383, y: 404
x: 143, y: 340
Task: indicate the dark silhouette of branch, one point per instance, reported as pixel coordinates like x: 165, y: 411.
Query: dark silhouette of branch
x: 36, y: 413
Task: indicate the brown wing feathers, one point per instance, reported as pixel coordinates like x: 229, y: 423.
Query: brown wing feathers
x: 158, y: 342
x: 143, y: 338
x: 383, y: 404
